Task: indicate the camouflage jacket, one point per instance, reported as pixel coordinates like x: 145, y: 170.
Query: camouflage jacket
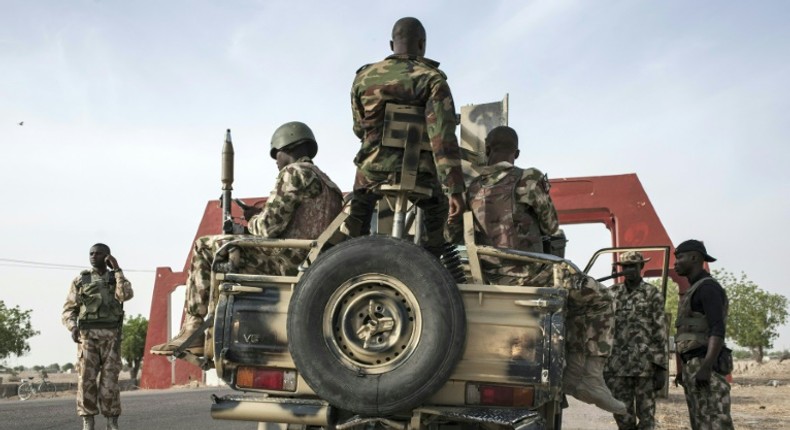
x: 640, y: 331
x: 510, y: 209
x: 286, y: 216
x: 71, y: 309
x: 414, y: 81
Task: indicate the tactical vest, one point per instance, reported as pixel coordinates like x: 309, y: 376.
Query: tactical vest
x: 692, y: 327
x: 98, y: 306
x: 313, y: 217
x: 500, y: 221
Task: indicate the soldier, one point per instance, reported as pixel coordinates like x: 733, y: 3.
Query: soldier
x: 513, y: 209
x: 93, y: 313
x: 637, y: 367
x: 701, y: 328
x: 407, y: 78
x: 302, y: 204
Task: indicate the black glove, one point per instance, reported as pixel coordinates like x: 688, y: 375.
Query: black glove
x: 659, y: 377
x: 75, y: 334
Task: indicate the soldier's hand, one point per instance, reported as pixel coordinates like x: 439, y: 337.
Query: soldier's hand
x: 702, y: 377
x: 457, y: 208
x: 111, y: 262
x: 659, y: 377
x: 75, y: 334
x: 251, y: 211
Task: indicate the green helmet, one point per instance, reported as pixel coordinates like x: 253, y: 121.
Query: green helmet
x: 292, y: 133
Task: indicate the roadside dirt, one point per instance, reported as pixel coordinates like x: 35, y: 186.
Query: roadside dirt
x: 759, y: 394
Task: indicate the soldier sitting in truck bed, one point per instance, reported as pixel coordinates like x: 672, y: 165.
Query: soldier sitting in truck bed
x: 512, y: 209
x: 302, y: 204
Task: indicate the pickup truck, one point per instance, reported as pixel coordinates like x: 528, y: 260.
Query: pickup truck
x: 377, y: 331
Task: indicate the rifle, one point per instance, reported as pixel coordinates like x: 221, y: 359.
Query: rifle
x: 613, y: 275
x: 228, y: 226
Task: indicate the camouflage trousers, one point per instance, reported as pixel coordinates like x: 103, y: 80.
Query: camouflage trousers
x: 364, y: 198
x: 709, y: 406
x: 269, y: 261
x: 98, y: 366
x: 639, y: 397
x: 589, y: 325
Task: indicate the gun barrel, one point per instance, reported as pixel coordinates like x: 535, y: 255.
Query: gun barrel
x: 613, y: 275
x: 227, y: 163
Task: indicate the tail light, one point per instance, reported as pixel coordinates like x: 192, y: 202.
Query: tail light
x: 499, y: 395
x: 266, y: 378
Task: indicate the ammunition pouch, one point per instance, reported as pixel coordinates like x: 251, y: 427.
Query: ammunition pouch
x: 723, y: 364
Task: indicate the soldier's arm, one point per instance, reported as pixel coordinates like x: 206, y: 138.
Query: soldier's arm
x: 357, y: 111
x: 293, y: 185
x: 658, y: 340
x: 531, y: 191
x: 123, y: 288
x: 440, y: 120
x: 71, y: 307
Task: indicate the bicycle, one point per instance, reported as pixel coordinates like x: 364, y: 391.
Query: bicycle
x: 29, y: 389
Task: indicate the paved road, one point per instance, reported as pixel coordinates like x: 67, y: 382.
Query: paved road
x: 175, y: 409
x: 188, y: 409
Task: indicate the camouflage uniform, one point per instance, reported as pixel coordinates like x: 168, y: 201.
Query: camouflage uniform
x: 709, y: 406
x: 513, y: 209
x: 284, y: 216
x: 639, y: 346
x: 415, y: 81
x: 99, y: 348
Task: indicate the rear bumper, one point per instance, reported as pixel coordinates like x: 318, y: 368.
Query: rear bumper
x: 271, y: 409
x: 319, y: 413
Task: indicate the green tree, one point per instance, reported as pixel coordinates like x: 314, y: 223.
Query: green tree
x: 67, y: 367
x: 754, y: 315
x: 15, y: 330
x: 54, y: 367
x: 133, y: 343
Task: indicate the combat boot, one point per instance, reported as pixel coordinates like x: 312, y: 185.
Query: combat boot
x: 191, y: 324
x: 593, y: 389
x: 574, y: 372
x: 88, y: 423
x: 112, y: 423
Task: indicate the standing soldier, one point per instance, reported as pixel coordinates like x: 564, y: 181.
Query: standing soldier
x: 513, y: 209
x: 302, y: 204
x: 637, y: 367
x: 93, y: 313
x: 701, y: 328
x: 406, y: 78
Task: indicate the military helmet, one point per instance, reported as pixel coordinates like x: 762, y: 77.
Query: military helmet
x: 291, y: 133
x: 631, y: 257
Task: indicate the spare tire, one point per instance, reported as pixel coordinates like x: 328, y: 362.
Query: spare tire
x: 376, y: 325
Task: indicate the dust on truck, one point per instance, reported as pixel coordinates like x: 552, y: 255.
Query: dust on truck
x: 377, y: 331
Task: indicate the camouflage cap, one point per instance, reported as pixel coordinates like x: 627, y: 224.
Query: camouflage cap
x: 292, y: 133
x: 631, y: 257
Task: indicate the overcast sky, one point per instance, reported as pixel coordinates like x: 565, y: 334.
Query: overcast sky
x: 125, y: 105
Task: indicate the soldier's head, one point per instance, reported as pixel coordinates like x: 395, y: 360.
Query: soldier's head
x: 97, y: 254
x: 690, y: 256
x: 632, y: 263
x: 292, y: 141
x: 408, y: 37
x: 502, y: 145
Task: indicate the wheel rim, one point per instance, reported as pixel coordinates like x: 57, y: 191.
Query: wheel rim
x: 24, y: 392
x: 372, y: 323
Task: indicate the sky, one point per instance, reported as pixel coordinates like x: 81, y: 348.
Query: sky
x: 125, y: 104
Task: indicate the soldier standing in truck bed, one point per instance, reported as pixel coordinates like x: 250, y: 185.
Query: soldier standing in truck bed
x: 302, y: 204
x: 512, y: 209
x: 406, y: 78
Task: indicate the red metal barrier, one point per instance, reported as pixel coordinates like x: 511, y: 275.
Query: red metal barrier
x: 619, y: 202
